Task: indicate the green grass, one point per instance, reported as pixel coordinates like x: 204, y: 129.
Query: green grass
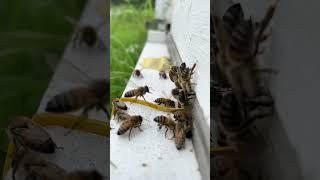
x: 128, y: 35
x: 30, y: 31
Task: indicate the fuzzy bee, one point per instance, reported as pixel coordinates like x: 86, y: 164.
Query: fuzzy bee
x: 86, y: 34
x: 137, y: 73
x: 28, y: 134
x: 166, y: 102
x: 28, y: 165
x: 182, y: 97
x: 173, y: 75
x: 184, y: 117
x: 122, y: 115
x: 180, y: 135
x: 167, y: 122
x: 163, y: 74
x: 140, y: 91
x: 94, y: 95
x: 184, y: 77
x: 118, y: 105
x: 238, y: 41
x: 130, y: 123
x: 238, y: 122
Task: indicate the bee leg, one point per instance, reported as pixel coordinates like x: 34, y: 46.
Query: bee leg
x: 174, y: 134
x: 143, y: 98
x: 105, y: 110
x: 166, y: 133
x: 82, y: 117
x: 130, y: 133
x: 140, y: 129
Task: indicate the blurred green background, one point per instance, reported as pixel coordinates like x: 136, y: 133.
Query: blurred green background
x: 33, y: 33
x: 127, y: 38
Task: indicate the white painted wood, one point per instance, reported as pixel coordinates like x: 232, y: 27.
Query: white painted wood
x: 191, y: 33
x: 150, y: 147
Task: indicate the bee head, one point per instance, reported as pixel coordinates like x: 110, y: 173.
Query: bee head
x: 175, y: 91
x: 146, y: 89
x: 48, y: 147
x: 140, y: 118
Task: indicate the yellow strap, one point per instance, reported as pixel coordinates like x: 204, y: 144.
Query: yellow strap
x: 151, y: 105
x: 162, y: 63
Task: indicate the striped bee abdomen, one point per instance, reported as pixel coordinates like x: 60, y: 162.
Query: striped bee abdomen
x: 160, y: 119
x: 125, y: 126
x: 130, y: 93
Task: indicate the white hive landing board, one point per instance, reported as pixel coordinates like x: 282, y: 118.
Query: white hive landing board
x: 149, y: 155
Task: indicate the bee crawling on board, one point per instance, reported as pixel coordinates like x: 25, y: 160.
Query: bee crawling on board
x: 184, y: 117
x: 121, y: 115
x: 94, y: 95
x: 130, y: 123
x: 166, y: 102
x: 180, y: 135
x: 167, y: 122
x: 140, y: 91
x: 118, y: 105
x: 24, y: 132
x: 29, y: 166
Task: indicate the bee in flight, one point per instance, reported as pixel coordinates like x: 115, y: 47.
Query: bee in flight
x: 140, y: 91
x: 86, y: 34
x: 130, y: 123
x: 26, y: 133
x: 137, y: 73
x: 167, y: 122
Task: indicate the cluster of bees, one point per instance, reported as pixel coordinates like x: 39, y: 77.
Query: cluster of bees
x: 241, y: 98
x: 29, y: 140
x: 181, y: 123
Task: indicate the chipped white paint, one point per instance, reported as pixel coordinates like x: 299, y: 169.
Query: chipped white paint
x: 150, y: 147
x: 191, y: 33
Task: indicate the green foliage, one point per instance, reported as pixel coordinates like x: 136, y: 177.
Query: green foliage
x: 30, y: 31
x: 128, y: 35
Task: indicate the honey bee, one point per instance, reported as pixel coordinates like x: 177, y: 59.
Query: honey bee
x: 184, y: 117
x: 180, y: 136
x: 140, y: 91
x: 239, y: 125
x: 167, y: 122
x: 86, y: 34
x: 94, y: 95
x: 137, y: 73
x: 182, y: 97
x: 238, y: 41
x: 118, y: 105
x: 128, y: 124
x: 163, y: 74
x: 173, y: 75
x: 121, y: 115
x: 28, y: 134
x: 184, y: 77
x: 33, y: 167
x: 166, y: 102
